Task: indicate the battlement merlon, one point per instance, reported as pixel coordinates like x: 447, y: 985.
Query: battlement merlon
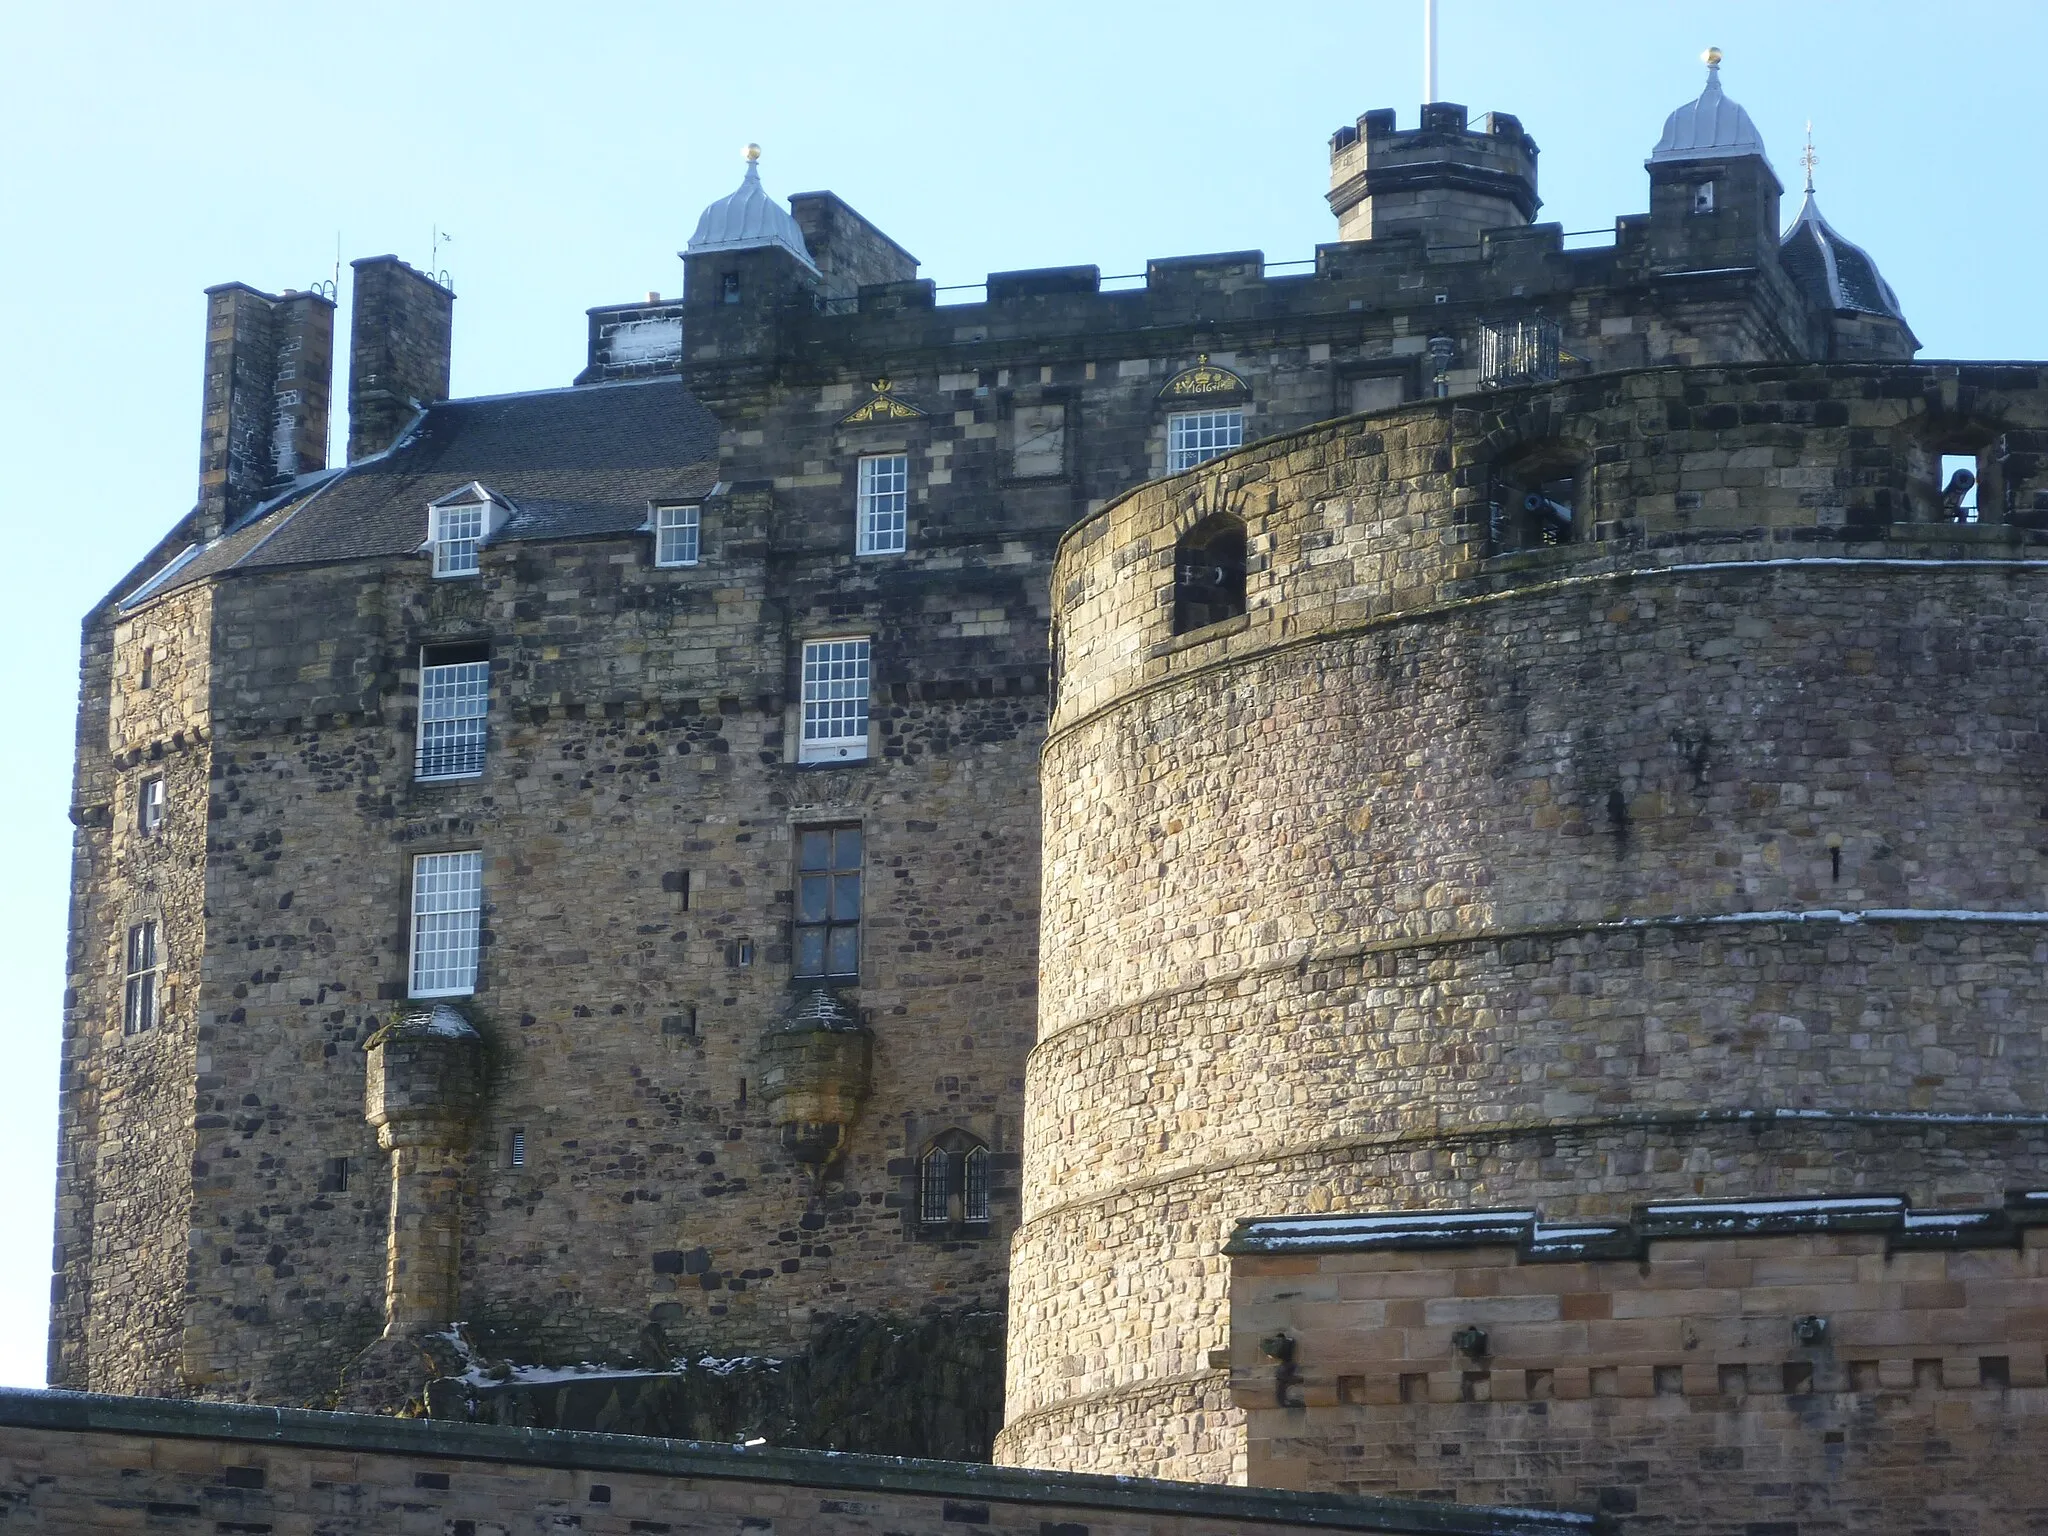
x: 1442, y: 178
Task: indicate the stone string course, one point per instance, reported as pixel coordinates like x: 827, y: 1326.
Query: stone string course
x: 1406, y: 890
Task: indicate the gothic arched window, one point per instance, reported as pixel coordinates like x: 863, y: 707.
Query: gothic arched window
x: 1208, y: 573
x: 952, y: 1182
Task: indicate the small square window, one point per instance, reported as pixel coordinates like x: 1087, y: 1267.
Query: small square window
x: 884, y: 504
x: 828, y: 902
x: 447, y: 917
x: 139, y: 999
x: 1703, y: 197
x: 675, y: 535
x: 150, y: 803
x: 457, y: 534
x: 835, y: 701
x: 1195, y: 437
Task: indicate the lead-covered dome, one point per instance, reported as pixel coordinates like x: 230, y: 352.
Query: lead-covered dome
x: 747, y: 219
x: 1711, y: 128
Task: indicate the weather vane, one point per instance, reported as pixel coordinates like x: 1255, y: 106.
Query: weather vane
x: 1807, y: 157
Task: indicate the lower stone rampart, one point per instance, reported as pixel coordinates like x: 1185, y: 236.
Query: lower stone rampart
x: 1710, y: 1369
x: 71, y: 1462
x: 1587, y: 1070
x: 1120, y: 1368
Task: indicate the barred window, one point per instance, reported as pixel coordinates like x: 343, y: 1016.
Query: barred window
x: 150, y: 801
x: 675, y: 535
x: 1193, y: 437
x: 835, y: 699
x: 953, y: 1182
x: 457, y: 533
x: 447, y: 911
x: 455, y: 699
x: 828, y: 902
x: 884, y: 504
x: 142, y: 965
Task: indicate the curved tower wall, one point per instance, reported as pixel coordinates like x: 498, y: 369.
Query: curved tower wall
x: 1704, y: 858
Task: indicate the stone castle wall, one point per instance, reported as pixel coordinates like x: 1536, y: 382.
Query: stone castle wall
x: 1752, y: 1368
x: 1689, y: 860
x: 125, y: 1135
x: 636, y: 814
x: 71, y: 1462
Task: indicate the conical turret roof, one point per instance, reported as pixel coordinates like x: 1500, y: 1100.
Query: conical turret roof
x: 747, y: 219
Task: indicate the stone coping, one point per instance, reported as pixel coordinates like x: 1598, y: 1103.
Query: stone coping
x: 1889, y: 1215
x: 172, y: 1418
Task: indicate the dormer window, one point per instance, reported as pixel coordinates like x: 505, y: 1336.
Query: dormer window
x: 457, y: 534
x: 675, y: 535
x: 457, y: 526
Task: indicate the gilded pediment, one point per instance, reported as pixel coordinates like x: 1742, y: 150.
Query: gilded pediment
x: 882, y: 405
x: 1205, y: 378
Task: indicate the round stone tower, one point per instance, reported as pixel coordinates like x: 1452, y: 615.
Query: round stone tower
x: 1587, y: 795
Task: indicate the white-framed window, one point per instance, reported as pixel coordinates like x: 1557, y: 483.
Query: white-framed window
x: 455, y: 702
x: 675, y: 535
x: 884, y: 504
x: 835, y: 701
x: 142, y: 966
x: 1192, y: 437
x: 457, y: 533
x: 447, y: 913
x: 150, y: 803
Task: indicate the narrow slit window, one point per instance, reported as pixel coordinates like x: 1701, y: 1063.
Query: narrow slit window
x: 934, y: 1188
x: 515, y: 1149
x: 139, y: 999
x: 835, y: 701
x: 884, y: 504
x: 1195, y: 437
x: 455, y: 697
x: 828, y: 902
x: 675, y: 535
x: 150, y: 803
x: 447, y: 914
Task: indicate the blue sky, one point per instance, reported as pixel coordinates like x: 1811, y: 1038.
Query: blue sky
x: 152, y: 150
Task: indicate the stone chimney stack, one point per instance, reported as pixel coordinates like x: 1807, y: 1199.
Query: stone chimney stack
x: 269, y: 374
x: 399, y: 341
x: 1442, y: 179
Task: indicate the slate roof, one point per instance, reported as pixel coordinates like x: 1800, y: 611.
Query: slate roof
x: 1835, y: 274
x: 571, y: 462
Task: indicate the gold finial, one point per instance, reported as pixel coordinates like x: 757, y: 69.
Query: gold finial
x: 882, y: 386
x: 1711, y: 58
x: 753, y: 153
x: 1807, y: 157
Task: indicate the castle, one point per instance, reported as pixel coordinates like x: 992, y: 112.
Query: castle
x: 863, y: 815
